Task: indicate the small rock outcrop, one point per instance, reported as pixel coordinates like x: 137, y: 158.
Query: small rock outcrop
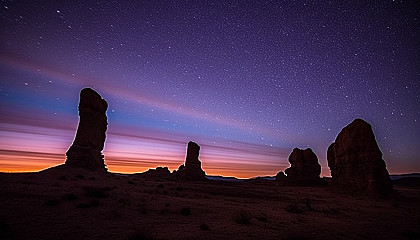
x: 280, y: 176
x: 159, y: 173
x: 86, y: 151
x: 304, y: 168
x: 191, y: 171
x: 355, y: 160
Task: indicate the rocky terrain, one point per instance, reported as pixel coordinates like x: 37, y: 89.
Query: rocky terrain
x: 64, y: 203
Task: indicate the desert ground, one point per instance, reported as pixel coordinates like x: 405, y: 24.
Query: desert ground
x: 62, y: 203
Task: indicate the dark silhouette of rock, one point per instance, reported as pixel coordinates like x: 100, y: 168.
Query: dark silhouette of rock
x: 86, y: 151
x: 159, y: 173
x: 304, y: 168
x: 192, y: 170
x: 280, y: 176
x: 355, y: 160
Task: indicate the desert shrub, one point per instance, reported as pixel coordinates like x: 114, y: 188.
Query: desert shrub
x: 52, y: 202
x: 5, y: 232
x: 262, y: 219
x: 204, y: 227
x: 331, y: 211
x: 142, y: 234
x: 26, y: 182
x: 293, y: 208
x: 62, y: 177
x: 160, y: 186
x: 186, y: 211
x: 395, y: 204
x: 70, y: 197
x: 96, y: 192
x: 242, y: 217
x: 124, y: 201
x: 296, y: 237
x: 179, y: 189
x: 131, y: 182
x: 83, y: 205
x: 80, y: 176
x: 94, y: 203
x: 411, y: 235
x: 308, y: 204
x: 143, y: 211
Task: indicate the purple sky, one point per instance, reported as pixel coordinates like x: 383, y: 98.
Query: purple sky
x: 247, y: 81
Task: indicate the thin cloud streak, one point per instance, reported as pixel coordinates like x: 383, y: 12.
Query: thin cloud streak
x: 136, y: 97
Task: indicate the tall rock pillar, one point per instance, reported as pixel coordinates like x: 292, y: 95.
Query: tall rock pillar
x: 86, y: 150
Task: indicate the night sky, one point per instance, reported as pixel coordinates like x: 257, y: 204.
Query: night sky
x: 247, y: 80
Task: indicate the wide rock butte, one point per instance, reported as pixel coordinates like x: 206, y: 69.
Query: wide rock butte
x: 355, y: 160
x: 304, y: 168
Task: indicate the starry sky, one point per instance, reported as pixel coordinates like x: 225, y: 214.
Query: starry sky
x: 247, y: 80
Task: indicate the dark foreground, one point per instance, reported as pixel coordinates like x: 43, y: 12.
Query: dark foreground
x: 58, y: 204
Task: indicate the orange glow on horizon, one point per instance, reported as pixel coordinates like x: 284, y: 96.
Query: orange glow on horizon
x: 16, y: 164
x: 15, y: 161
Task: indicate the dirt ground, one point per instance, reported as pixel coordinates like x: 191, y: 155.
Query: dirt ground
x: 80, y: 204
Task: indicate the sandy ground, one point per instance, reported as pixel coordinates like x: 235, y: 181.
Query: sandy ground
x: 67, y: 204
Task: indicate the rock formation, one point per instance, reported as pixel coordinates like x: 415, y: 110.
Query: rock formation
x: 355, y: 160
x: 159, y: 173
x: 280, y: 176
x: 86, y: 151
x: 304, y: 167
x: 192, y: 170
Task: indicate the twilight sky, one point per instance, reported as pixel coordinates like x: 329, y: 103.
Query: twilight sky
x: 247, y: 80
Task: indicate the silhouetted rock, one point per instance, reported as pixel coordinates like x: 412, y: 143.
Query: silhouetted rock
x: 86, y: 151
x: 280, y: 176
x: 355, y: 160
x: 192, y: 170
x: 304, y: 167
x: 158, y: 173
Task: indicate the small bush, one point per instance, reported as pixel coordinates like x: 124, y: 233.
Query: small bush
x: 186, y: 211
x: 142, y: 234
x: 83, y: 205
x: 131, y: 182
x: 62, y: 177
x: 96, y: 192
x: 331, y: 211
x: 5, y: 232
x: 242, y: 217
x: 124, y: 201
x: 296, y: 237
x: 179, y: 189
x: 262, y: 219
x: 411, y: 235
x: 293, y: 208
x: 70, y: 197
x: 94, y: 203
x: 160, y: 186
x: 204, y: 227
x: 308, y: 204
x: 143, y: 211
x: 52, y: 202
x: 80, y: 176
